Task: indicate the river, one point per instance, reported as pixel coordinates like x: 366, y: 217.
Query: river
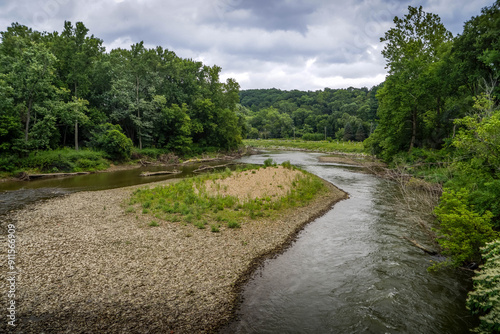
x: 349, y: 271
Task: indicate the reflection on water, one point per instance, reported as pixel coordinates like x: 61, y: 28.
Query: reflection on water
x: 16, y: 194
x: 351, y: 272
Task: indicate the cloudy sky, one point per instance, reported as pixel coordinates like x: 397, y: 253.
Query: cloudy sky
x: 286, y: 44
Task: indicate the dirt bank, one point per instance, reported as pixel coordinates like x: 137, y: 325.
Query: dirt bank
x: 87, y: 266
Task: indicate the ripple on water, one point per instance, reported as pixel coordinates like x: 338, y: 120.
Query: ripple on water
x: 350, y: 271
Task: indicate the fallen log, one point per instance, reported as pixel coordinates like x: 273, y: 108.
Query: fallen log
x: 204, y: 168
x: 164, y: 172
x: 27, y: 177
x: 416, y: 244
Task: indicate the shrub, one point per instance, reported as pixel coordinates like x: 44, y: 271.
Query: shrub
x: 8, y: 163
x: 233, y: 224
x: 484, y: 300
x: 287, y: 164
x: 269, y: 162
x: 65, y: 160
x: 462, y: 231
x: 110, y: 139
x: 313, y: 136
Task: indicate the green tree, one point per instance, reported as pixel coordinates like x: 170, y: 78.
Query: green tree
x: 10, y: 123
x: 76, y: 53
x: 412, y: 46
x: 31, y: 78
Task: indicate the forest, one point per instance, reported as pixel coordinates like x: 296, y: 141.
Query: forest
x: 342, y: 114
x: 64, y: 90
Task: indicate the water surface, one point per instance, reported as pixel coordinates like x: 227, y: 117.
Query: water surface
x: 350, y: 271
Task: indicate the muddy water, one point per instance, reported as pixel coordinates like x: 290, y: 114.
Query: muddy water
x: 350, y: 271
x: 16, y: 194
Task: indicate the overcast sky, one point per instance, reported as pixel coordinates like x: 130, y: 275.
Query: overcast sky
x: 285, y: 44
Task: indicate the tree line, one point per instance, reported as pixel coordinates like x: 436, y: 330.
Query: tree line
x: 64, y: 89
x: 343, y: 114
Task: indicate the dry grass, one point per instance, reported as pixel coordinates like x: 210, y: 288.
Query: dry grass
x: 274, y: 182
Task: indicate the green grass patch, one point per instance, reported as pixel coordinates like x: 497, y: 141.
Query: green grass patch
x: 320, y: 146
x: 188, y: 201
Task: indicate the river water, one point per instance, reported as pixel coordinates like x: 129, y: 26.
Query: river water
x: 349, y: 271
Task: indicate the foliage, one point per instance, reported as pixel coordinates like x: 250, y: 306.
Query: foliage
x: 313, y: 136
x: 273, y: 113
x: 190, y: 202
x: 411, y: 98
x: 55, y: 86
x: 462, y: 231
x: 65, y: 160
x: 269, y: 162
x: 485, y: 299
x: 110, y: 139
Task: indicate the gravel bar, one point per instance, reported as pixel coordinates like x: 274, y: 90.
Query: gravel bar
x: 87, y: 266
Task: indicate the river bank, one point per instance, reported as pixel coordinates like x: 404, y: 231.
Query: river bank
x: 86, y: 265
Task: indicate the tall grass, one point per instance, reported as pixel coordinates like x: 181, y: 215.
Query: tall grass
x: 65, y: 160
x: 189, y: 201
x: 321, y: 146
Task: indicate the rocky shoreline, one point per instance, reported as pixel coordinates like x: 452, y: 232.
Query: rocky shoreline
x: 87, y: 266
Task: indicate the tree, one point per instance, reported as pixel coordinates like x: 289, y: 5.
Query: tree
x: 477, y: 50
x: 76, y: 53
x: 412, y: 46
x: 31, y: 78
x: 10, y: 123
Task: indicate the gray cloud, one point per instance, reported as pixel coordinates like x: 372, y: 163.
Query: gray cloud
x: 287, y: 44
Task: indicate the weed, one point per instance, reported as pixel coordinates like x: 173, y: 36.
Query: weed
x: 233, y: 224
x: 153, y: 223
x: 199, y: 225
x: 214, y: 228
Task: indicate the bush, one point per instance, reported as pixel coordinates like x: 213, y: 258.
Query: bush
x: 484, y: 300
x: 110, y: 139
x: 65, y: 160
x: 269, y: 162
x: 462, y: 231
x: 8, y: 163
x: 313, y: 136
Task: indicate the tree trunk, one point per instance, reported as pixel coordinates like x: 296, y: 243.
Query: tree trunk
x: 138, y: 111
x: 28, y: 116
x: 76, y: 121
x: 76, y: 135
x: 414, y: 129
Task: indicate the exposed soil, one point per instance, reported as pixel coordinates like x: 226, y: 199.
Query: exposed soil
x: 273, y: 182
x: 87, y: 266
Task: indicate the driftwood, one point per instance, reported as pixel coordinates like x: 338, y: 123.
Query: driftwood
x: 164, y: 172
x: 27, y: 177
x: 416, y: 244
x: 204, y: 168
